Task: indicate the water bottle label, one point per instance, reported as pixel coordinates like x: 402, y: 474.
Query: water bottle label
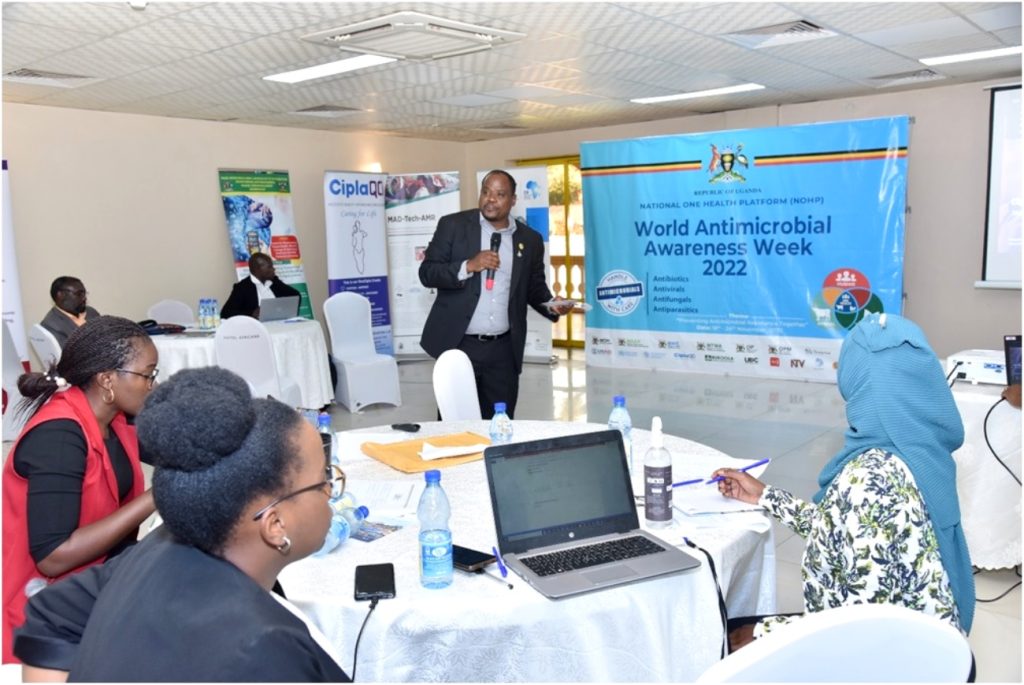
x: 436, y: 559
x: 658, y: 493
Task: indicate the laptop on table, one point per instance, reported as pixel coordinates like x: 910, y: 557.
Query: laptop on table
x: 566, y: 519
x: 278, y: 308
x: 1011, y: 347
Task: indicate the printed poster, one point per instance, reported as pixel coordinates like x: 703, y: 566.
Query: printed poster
x: 357, y: 258
x: 258, y: 211
x: 13, y: 315
x: 413, y: 205
x: 751, y: 252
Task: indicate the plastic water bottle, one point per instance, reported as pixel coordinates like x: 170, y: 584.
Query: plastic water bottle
x: 501, y: 425
x: 657, y: 479
x: 214, y: 313
x: 435, y: 538
x: 338, y: 532
x: 620, y: 420
x: 323, y: 427
x: 355, y: 517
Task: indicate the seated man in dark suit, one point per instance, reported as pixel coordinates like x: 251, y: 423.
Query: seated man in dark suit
x: 262, y: 283
x: 70, y: 309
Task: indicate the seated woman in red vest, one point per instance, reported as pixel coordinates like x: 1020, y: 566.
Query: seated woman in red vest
x: 72, y: 486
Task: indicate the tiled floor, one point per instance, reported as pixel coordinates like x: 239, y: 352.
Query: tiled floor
x: 799, y: 425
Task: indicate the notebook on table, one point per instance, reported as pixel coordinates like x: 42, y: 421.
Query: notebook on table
x: 278, y: 308
x: 566, y: 519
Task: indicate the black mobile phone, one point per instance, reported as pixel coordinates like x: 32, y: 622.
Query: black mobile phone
x: 375, y: 581
x: 466, y: 559
x: 407, y: 427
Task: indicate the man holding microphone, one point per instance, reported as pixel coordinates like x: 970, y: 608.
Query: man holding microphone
x: 486, y: 269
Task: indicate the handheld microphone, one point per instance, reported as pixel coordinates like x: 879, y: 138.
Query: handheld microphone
x: 495, y: 246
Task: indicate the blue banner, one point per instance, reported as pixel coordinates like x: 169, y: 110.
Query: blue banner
x: 748, y: 251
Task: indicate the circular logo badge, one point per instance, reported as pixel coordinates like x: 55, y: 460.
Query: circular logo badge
x: 848, y: 293
x: 619, y: 292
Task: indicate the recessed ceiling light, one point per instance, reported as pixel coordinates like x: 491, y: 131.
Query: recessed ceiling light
x: 971, y: 56
x: 329, y: 69
x: 699, y: 94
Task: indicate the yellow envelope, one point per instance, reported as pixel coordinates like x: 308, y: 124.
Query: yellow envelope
x: 405, y: 455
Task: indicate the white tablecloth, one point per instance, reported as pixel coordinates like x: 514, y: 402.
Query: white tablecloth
x: 665, y: 629
x: 299, y: 348
x: 989, y: 498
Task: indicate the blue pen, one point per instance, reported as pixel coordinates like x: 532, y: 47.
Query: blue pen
x: 688, y: 482
x: 501, y: 565
x: 745, y: 468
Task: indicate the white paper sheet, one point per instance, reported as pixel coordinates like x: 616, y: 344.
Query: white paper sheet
x: 434, y: 452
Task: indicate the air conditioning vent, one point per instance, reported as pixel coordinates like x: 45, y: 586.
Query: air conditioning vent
x: 326, y: 111
x: 779, y: 34
x: 48, y: 78
x: 413, y: 36
x: 501, y: 128
x: 906, y: 77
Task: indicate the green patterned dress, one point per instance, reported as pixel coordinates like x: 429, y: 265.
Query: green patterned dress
x: 869, y: 540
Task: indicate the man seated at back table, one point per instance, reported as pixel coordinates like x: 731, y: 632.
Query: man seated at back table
x: 262, y: 283
x: 70, y: 308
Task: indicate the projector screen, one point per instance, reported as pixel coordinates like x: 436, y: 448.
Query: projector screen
x: 1002, y: 266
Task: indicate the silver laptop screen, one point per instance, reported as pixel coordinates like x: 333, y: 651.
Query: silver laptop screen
x: 558, y: 490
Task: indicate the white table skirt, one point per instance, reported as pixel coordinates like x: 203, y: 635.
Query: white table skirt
x: 665, y: 629
x: 989, y: 498
x: 299, y: 348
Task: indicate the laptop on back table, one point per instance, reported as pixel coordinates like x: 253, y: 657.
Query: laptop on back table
x: 278, y: 308
x: 560, y: 503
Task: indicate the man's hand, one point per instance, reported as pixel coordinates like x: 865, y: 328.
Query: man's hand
x: 563, y: 308
x: 1012, y: 395
x: 484, y: 259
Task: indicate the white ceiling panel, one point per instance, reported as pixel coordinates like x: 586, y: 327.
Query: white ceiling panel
x: 577, y: 65
x: 250, y: 17
x: 186, y: 34
x: 99, y: 18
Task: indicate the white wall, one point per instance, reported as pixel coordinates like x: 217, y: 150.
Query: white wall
x: 947, y: 176
x: 130, y: 203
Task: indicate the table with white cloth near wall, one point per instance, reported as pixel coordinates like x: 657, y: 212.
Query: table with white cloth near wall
x: 989, y: 496
x: 299, y: 348
x: 477, y: 629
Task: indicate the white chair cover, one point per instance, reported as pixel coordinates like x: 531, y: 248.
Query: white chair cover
x: 364, y: 377
x: 172, y: 311
x: 243, y: 345
x: 45, y: 345
x: 12, y: 370
x: 455, y: 387
x: 859, y: 643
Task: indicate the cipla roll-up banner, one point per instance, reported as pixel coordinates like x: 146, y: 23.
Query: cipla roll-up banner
x: 749, y: 252
x: 413, y: 205
x: 258, y: 211
x: 531, y: 208
x: 357, y: 258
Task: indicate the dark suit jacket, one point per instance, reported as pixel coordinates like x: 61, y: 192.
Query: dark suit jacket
x: 457, y: 239
x: 165, y: 611
x: 243, y: 300
x: 61, y: 326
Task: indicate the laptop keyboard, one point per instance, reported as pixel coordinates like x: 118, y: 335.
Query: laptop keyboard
x: 591, y: 555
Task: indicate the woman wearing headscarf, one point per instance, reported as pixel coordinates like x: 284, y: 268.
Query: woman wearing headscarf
x: 242, y: 485
x: 73, y: 486
x: 885, y: 524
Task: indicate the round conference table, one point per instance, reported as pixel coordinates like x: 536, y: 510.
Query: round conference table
x: 990, y: 500
x: 477, y: 629
x: 299, y: 348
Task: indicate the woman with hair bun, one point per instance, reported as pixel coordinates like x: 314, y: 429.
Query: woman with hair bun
x: 243, y: 486
x: 72, y: 486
